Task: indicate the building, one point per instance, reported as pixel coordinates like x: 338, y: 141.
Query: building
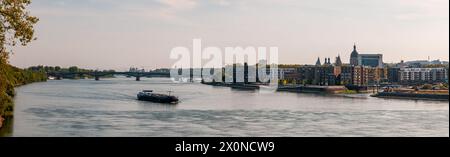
x: 338, y: 61
x: 290, y: 74
x: 423, y: 75
x: 376, y: 75
x: 132, y: 69
x: 346, y: 76
x: 360, y: 76
x: 367, y: 76
x: 324, y: 75
x: 354, y: 56
x: 318, y: 62
x: 422, y: 63
x: 393, y: 75
x: 372, y: 60
x: 402, y: 64
x: 306, y: 74
x: 327, y: 61
x: 338, y: 74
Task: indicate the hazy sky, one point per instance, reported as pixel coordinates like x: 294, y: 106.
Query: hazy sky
x: 117, y: 34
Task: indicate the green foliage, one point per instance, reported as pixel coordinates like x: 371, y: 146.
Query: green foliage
x: 16, y: 25
x: 73, y: 69
x: 11, y: 77
x: 48, y: 69
x: 347, y: 91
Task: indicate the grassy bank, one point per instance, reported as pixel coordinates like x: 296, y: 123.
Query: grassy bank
x: 11, y: 77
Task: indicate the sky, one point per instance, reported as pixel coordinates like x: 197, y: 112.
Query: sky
x: 117, y: 34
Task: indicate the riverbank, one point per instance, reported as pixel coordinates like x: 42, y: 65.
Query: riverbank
x: 315, y: 89
x: 291, y: 88
x: 11, y: 77
x: 240, y: 86
x: 414, y: 96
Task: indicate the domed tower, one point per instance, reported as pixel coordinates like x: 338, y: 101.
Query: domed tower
x: 354, y: 56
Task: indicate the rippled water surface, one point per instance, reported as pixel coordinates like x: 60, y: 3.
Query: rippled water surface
x: 109, y: 108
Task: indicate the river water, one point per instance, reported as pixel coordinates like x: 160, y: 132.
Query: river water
x: 109, y: 108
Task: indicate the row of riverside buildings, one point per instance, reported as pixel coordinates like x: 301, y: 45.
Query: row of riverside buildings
x: 363, y: 70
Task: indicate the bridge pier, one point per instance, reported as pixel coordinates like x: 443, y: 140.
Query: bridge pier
x: 138, y: 78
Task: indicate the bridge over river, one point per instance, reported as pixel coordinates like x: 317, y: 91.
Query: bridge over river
x: 98, y: 74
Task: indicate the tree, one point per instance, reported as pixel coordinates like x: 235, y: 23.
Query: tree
x: 73, y: 69
x: 16, y: 25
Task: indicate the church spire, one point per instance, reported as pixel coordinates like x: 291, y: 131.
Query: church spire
x: 318, y: 61
x: 338, y: 61
x: 354, y: 46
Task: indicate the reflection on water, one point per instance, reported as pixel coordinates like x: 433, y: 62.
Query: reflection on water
x: 109, y: 108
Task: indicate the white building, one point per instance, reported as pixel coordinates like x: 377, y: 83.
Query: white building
x: 423, y: 74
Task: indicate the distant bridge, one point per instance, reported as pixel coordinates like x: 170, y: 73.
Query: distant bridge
x: 98, y: 74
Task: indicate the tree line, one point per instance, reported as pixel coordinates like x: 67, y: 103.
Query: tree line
x: 72, y: 69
